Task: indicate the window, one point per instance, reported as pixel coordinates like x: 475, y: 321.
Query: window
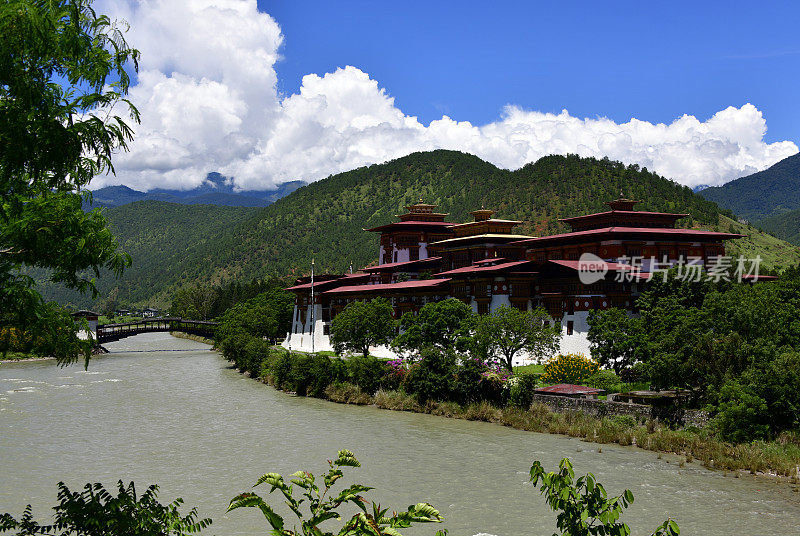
x: 634, y: 252
x: 483, y: 308
x: 570, y: 327
x: 326, y: 329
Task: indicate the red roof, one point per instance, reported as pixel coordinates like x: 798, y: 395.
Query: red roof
x: 575, y: 265
x: 347, y: 278
x: 482, y: 269
x: 411, y: 224
x: 568, y: 389
x: 652, y: 231
x: 383, y: 287
x: 751, y: 277
x: 666, y: 215
x: 392, y: 265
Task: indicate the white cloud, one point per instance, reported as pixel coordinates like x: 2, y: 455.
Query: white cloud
x: 208, y: 98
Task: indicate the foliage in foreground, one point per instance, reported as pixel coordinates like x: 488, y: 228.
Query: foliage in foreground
x: 584, y: 506
x: 63, y: 70
x: 322, y: 507
x: 96, y: 512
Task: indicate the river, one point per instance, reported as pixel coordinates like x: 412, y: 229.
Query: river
x: 163, y: 410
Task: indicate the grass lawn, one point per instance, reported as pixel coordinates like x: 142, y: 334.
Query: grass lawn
x: 528, y: 369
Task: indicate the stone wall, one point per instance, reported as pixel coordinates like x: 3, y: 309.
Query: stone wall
x: 601, y: 408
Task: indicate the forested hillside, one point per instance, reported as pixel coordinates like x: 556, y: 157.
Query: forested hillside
x: 163, y: 240
x: 785, y: 225
x: 173, y: 245
x: 776, y: 190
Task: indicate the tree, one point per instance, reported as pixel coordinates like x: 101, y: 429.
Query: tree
x: 613, y: 336
x: 196, y: 302
x: 506, y: 331
x: 444, y: 324
x: 361, y: 325
x: 96, y: 512
x: 63, y: 69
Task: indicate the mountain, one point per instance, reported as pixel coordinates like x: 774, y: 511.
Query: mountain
x: 215, y: 190
x: 163, y: 239
x: 785, y: 225
x: 175, y: 245
x: 767, y: 193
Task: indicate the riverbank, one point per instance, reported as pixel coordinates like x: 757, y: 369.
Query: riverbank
x: 196, y: 338
x: 17, y: 357
x: 777, y: 459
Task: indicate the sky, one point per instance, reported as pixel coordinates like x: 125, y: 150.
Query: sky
x: 700, y: 92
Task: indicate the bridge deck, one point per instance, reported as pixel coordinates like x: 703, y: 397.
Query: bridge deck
x: 115, y: 332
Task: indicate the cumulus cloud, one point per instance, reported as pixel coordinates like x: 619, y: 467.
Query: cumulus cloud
x: 208, y: 98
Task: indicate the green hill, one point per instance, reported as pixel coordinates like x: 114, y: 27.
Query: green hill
x: 785, y: 225
x: 173, y: 245
x: 774, y: 191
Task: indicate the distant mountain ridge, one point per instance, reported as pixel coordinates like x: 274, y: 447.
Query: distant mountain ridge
x: 769, y: 199
x: 214, y: 191
x: 767, y: 193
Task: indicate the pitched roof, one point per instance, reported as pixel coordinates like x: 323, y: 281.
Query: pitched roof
x: 568, y: 389
x: 420, y: 284
x: 347, y: 278
x: 665, y: 215
x: 487, y: 237
x: 404, y: 264
x: 410, y: 224
x: 614, y: 231
x: 482, y: 269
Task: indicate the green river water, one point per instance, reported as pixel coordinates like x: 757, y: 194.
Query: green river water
x: 163, y: 410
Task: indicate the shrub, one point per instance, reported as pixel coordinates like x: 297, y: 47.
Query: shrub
x: 467, y: 387
x: 625, y: 422
x: 280, y: 368
x: 569, y: 368
x: 432, y: 377
x: 521, y: 391
x: 347, y: 393
x: 254, y: 353
x: 366, y: 372
x: 395, y: 373
x: 742, y: 415
x: 606, y: 380
x: 300, y: 374
x: 324, y: 371
x: 633, y: 374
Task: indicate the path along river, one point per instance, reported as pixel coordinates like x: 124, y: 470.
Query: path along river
x: 169, y: 411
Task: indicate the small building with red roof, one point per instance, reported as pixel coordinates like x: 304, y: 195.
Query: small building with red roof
x: 569, y: 390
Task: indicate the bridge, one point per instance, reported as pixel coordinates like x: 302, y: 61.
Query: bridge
x: 115, y: 332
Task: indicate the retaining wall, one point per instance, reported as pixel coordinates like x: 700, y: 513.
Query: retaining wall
x: 601, y: 408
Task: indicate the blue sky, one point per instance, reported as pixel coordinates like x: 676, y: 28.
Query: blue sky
x: 652, y: 60
x: 270, y: 91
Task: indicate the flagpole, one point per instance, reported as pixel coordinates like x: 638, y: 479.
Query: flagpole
x: 313, y: 327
